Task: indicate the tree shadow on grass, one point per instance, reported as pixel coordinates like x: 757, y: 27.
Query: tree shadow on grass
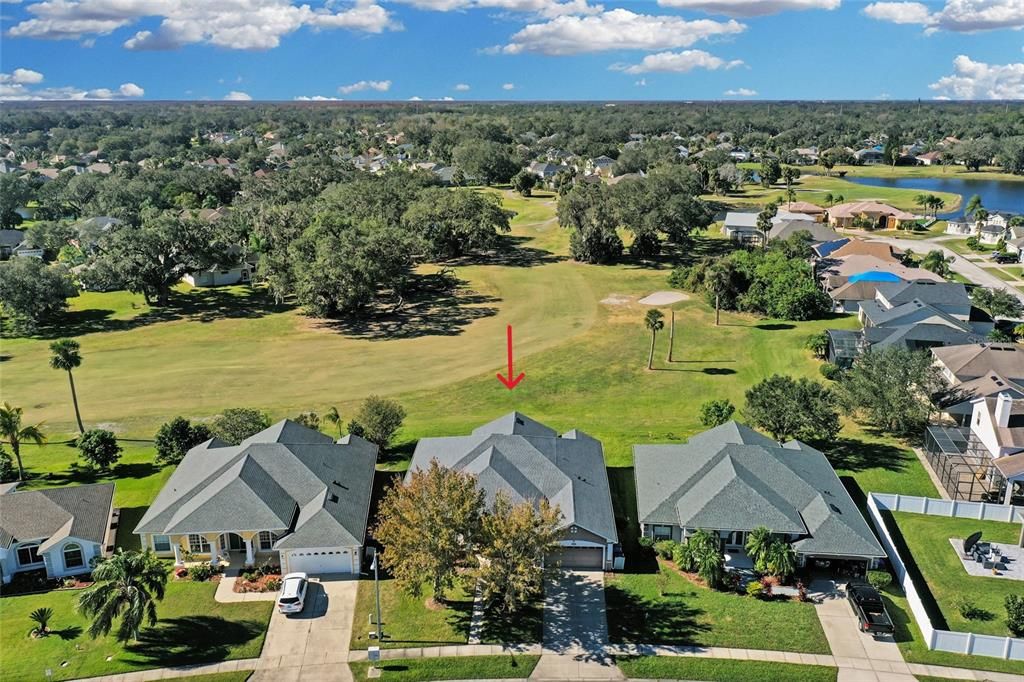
x: 684, y: 253
x: 636, y: 619
x: 510, y: 252
x: 439, y: 306
x: 129, y: 519
x: 67, y: 634
x: 201, y: 305
x: 854, y: 455
x: 192, y: 639
x: 524, y: 627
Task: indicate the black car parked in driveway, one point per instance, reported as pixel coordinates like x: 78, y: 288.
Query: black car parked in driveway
x: 867, y: 604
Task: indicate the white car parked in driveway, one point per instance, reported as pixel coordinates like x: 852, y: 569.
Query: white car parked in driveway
x: 292, y: 597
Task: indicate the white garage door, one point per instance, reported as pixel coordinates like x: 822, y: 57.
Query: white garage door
x: 315, y: 561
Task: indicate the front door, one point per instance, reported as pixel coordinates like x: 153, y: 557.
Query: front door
x: 735, y: 539
x: 235, y: 542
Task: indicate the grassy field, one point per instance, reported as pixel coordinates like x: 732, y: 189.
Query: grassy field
x: 884, y: 171
x: 722, y: 670
x: 408, y: 622
x: 813, y: 188
x: 930, y: 555
x: 640, y: 612
x: 185, y: 634
x: 463, y: 668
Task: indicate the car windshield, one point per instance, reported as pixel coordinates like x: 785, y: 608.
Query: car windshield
x: 288, y: 600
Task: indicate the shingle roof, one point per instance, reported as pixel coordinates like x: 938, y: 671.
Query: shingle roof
x: 819, y: 231
x: 914, y: 311
x: 932, y: 293
x: 978, y: 359
x: 80, y: 511
x: 286, y: 477
x: 529, y: 461
x: 733, y: 478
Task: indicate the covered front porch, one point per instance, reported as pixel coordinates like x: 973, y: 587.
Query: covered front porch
x: 241, y: 549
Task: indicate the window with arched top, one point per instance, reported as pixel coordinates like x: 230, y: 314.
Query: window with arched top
x: 73, y: 557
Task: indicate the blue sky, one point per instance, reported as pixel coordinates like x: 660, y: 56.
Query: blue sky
x: 512, y: 49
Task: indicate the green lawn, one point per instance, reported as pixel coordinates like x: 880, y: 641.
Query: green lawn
x: 461, y: 668
x: 930, y: 556
x: 914, y: 650
x: 685, y: 613
x: 408, y: 622
x: 813, y: 188
x: 193, y: 628
x: 722, y: 670
x: 1001, y: 274
x: 953, y: 171
x: 960, y: 246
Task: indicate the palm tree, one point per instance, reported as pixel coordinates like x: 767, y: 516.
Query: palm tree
x: 758, y: 543
x: 41, y: 617
x: 923, y: 200
x: 829, y: 199
x: 973, y: 204
x: 128, y: 585
x: 718, y: 280
x: 67, y: 356
x: 654, y: 321
x: 781, y: 559
x: 12, y: 430
x: 334, y: 417
x: 937, y: 262
x: 706, y: 550
x: 938, y: 203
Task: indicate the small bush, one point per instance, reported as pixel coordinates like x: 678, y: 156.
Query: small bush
x: 801, y: 592
x: 716, y: 412
x: 755, y: 589
x: 967, y: 608
x: 1015, y: 614
x: 973, y: 243
x: 817, y: 344
x: 831, y: 372
x: 99, y: 448
x: 665, y: 548
x: 683, y: 556
x: 200, y: 572
x: 273, y: 584
x: 879, y: 579
x: 251, y: 576
x: 8, y: 472
x: 645, y: 542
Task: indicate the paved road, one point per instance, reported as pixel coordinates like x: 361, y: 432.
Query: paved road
x: 960, y: 265
x: 312, y: 646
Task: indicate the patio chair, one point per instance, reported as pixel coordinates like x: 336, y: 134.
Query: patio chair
x: 987, y: 564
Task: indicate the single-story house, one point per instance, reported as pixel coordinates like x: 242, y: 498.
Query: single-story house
x: 819, y: 231
x: 960, y: 364
x: 989, y: 386
x: 839, y: 271
x: 9, y: 241
x: 238, y: 270
x: 288, y: 492
x: 805, y: 207
x: 881, y: 216
x: 949, y: 297
x: 60, y: 530
x: 742, y: 226
x: 544, y: 171
x: 731, y: 480
x: 869, y: 156
x: 602, y: 165
x: 930, y: 158
x: 529, y: 461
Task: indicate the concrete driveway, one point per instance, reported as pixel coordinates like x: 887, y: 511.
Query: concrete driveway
x: 575, y: 630
x: 312, y: 645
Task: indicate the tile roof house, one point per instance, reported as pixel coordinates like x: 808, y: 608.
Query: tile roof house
x: 731, y: 480
x: 881, y: 215
x: 529, y: 461
x: 57, y: 529
x: 287, y: 490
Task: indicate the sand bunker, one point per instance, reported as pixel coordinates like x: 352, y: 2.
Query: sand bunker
x: 664, y: 298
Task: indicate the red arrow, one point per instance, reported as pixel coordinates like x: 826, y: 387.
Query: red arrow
x: 509, y: 382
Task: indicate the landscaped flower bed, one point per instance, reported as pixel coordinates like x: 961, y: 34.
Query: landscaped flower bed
x: 265, y: 578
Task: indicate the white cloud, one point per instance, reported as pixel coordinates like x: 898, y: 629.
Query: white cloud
x: 316, y: 98
x: 131, y: 90
x: 618, y: 29
x: 978, y: 80
x: 750, y: 8
x: 641, y: 83
x: 415, y: 98
x: 963, y: 16
x: 447, y: 98
x: 11, y: 89
x: 22, y: 76
x: 678, y: 62
x: 379, y: 86
x: 548, y: 9
x: 238, y: 96
x: 740, y: 92
x: 508, y: 86
x: 234, y: 24
x: 462, y: 87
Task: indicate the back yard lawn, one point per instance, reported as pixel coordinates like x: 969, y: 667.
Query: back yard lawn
x: 718, y: 670
x: 923, y: 542
x: 409, y: 622
x: 193, y: 628
x: 645, y: 609
x: 462, y: 668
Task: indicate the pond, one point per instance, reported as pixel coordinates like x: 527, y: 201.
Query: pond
x: 996, y: 195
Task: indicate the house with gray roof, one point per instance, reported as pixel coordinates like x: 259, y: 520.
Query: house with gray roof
x: 732, y: 479
x: 529, y: 461
x: 288, y: 491
x: 59, y: 530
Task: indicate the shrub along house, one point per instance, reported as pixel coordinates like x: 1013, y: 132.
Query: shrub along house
x: 529, y: 461
x: 731, y: 480
x: 288, y: 492
x: 59, y: 530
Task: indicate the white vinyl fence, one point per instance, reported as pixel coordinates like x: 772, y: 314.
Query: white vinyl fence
x: 943, y: 640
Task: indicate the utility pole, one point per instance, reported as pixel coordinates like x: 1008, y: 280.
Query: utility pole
x: 376, y: 585
x: 671, y: 334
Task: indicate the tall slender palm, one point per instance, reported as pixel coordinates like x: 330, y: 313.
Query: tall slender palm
x: 923, y: 200
x: 334, y: 417
x: 128, y: 585
x: 14, y: 433
x: 654, y: 321
x: 973, y: 204
x: 67, y: 356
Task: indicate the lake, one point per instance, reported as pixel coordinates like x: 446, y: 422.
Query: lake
x: 996, y: 195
